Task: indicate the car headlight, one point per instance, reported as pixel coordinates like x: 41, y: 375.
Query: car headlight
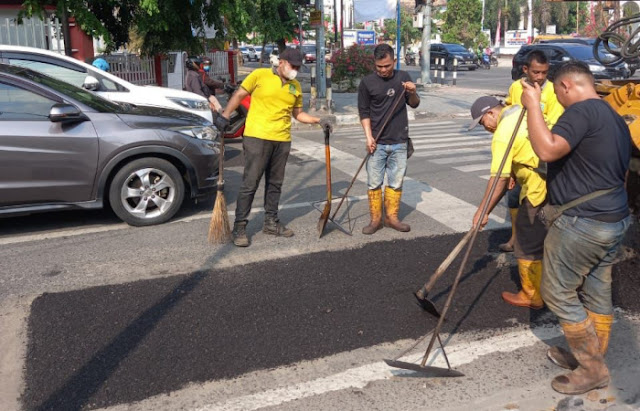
x: 190, y: 103
x: 595, y: 67
x: 203, y: 133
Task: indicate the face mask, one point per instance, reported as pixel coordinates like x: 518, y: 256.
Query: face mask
x: 291, y: 74
x: 207, y: 68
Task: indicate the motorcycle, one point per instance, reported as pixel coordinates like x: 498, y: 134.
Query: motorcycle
x: 238, y: 117
x: 494, y: 61
x: 484, y: 61
x: 410, y: 58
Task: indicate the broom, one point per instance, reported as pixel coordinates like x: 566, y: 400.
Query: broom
x: 219, y: 229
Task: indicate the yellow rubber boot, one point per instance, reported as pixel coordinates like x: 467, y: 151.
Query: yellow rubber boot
x: 602, y: 325
x: 391, y: 208
x: 508, y: 246
x: 592, y: 372
x: 530, y: 277
x: 375, y: 209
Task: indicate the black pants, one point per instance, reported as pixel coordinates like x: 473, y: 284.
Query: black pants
x: 262, y: 157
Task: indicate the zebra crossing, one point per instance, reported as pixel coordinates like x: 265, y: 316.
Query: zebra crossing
x: 447, y: 143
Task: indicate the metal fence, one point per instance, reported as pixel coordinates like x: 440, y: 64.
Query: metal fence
x: 219, y: 64
x: 132, y: 68
x: 33, y: 32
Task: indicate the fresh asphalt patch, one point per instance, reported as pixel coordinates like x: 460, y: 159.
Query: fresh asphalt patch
x: 122, y: 343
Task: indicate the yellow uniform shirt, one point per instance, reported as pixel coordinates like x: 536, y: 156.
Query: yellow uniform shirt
x: 522, y: 160
x: 551, y: 108
x: 272, y: 103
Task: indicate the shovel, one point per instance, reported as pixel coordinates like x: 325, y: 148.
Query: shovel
x: 324, y: 217
x: 421, y: 294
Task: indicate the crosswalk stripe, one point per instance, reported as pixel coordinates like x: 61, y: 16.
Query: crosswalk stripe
x: 451, y: 151
x: 426, y: 144
x: 463, y: 159
x: 474, y: 167
x: 421, y: 139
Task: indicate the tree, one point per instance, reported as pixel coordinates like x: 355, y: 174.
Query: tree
x: 462, y: 22
x: 408, y: 33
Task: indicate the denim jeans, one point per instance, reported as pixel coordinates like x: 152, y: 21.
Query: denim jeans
x: 262, y: 157
x: 389, y: 158
x: 578, y: 256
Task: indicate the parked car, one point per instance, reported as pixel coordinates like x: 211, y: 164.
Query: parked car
x: 268, y: 52
x: 248, y: 54
x: 102, y: 83
x: 451, y: 52
x: 634, y: 63
x: 558, y: 53
x: 62, y: 147
x: 309, y: 53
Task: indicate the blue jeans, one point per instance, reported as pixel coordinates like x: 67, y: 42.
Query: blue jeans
x: 391, y: 158
x: 578, y: 256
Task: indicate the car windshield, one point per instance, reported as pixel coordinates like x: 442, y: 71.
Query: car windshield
x: 95, y: 102
x: 309, y: 49
x: 581, y: 53
x: 456, y: 48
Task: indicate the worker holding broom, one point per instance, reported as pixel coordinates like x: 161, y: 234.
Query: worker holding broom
x: 377, y: 95
x: 276, y: 96
x: 522, y: 162
x: 536, y: 70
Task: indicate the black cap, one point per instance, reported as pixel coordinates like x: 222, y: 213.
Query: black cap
x: 480, y: 107
x: 293, y: 56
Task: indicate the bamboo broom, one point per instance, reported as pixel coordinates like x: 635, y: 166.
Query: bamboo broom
x: 219, y: 229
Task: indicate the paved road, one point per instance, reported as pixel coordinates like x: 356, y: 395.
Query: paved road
x: 98, y: 314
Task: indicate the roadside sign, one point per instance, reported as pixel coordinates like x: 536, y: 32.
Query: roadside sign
x: 315, y: 18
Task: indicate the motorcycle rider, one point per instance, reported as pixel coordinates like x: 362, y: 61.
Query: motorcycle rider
x: 195, y: 84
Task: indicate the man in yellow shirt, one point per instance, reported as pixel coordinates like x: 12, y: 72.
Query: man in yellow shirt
x: 536, y: 70
x: 521, y: 163
x: 275, y: 97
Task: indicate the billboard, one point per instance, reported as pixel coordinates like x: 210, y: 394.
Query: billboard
x: 363, y: 37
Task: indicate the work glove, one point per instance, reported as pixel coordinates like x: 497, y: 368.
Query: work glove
x: 221, y: 122
x: 327, y: 122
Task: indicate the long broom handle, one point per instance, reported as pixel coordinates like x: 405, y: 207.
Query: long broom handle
x: 364, y: 160
x: 446, y: 263
x: 474, y: 231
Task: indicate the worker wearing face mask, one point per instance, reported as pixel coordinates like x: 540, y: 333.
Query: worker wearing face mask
x: 208, y: 81
x: 276, y: 96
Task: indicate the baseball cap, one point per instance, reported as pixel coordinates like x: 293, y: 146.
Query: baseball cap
x: 480, y: 107
x: 293, y: 56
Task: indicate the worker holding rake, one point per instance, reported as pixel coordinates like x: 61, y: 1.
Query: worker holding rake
x: 522, y: 163
x: 380, y: 115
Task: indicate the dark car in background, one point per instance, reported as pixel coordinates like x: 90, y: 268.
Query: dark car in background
x: 451, y: 52
x: 62, y: 147
x: 268, y: 52
x: 559, y: 53
x: 633, y: 63
x: 309, y: 53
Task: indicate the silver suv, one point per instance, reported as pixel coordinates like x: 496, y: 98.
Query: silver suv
x: 62, y: 147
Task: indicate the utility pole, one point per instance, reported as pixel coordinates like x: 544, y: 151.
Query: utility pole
x: 398, y: 43
x: 321, y: 75
x: 425, y: 64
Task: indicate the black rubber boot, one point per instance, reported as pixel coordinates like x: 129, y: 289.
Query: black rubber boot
x: 240, y: 238
x: 272, y: 226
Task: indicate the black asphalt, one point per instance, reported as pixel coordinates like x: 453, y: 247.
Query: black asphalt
x: 117, y: 344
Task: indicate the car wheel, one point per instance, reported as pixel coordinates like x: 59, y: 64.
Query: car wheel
x: 472, y: 68
x: 146, y: 191
x: 632, y: 73
x: 449, y: 65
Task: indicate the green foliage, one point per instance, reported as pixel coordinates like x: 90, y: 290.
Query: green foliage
x: 352, y: 63
x: 408, y: 33
x: 462, y: 22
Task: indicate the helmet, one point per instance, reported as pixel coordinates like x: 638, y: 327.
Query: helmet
x: 193, y: 63
x: 206, y: 60
x: 101, y: 64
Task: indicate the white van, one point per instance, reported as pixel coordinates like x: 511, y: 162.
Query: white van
x: 102, y: 83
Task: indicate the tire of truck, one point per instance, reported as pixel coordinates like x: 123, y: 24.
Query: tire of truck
x: 146, y: 191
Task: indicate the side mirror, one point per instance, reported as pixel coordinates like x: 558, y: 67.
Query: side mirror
x: 65, y: 113
x: 91, y: 83
x: 566, y: 58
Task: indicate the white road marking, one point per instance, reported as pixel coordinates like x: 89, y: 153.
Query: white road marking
x: 426, y: 144
x: 453, y: 140
x: 359, y: 377
x: 474, y: 167
x: 463, y: 159
x: 451, y: 151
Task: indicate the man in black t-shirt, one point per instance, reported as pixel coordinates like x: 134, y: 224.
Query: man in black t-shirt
x: 588, y: 150
x: 377, y: 95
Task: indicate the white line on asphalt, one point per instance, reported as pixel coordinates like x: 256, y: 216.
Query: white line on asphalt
x: 455, y: 138
x: 102, y: 229
x: 426, y: 144
x: 463, y: 159
x: 452, y: 151
x: 438, y: 205
x: 460, y: 354
x: 474, y: 167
